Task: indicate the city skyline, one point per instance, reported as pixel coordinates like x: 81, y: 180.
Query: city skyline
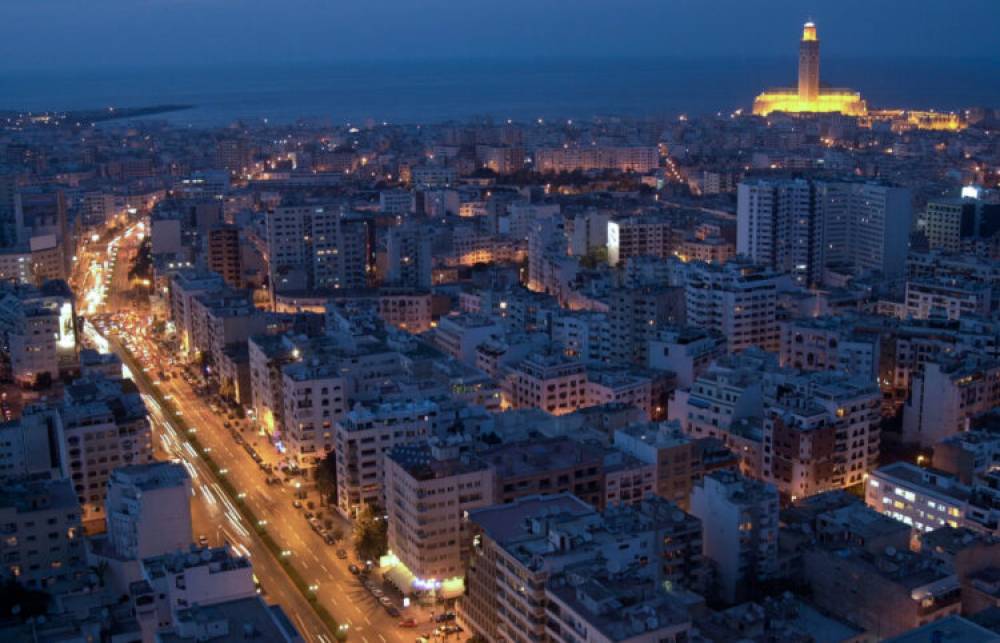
x: 499, y: 352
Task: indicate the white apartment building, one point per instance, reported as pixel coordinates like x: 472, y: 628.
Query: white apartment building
x: 737, y: 300
x: 526, y: 553
x: 38, y: 330
x: 459, y: 335
x: 821, y: 431
x: 222, y: 318
x: 41, y: 537
x: 740, y: 521
x: 185, y: 285
x: 728, y: 391
x: 687, y: 351
x: 25, y: 444
x: 433, y: 175
x: 637, y: 159
x: 268, y: 354
x: 315, y: 397
x: 104, y: 426
x: 428, y: 494
x: 945, y: 394
x: 398, y: 202
x: 148, y: 510
x: 648, y: 235
x: 800, y: 227
x: 408, y: 255
x: 406, y: 310
x: 830, y: 343
x: 179, y: 580
x: 949, y: 298
x: 583, y: 334
x: 523, y: 217
x: 921, y: 498
x: 315, y: 246
x: 363, y: 436
x: 620, y: 387
x: 549, y: 381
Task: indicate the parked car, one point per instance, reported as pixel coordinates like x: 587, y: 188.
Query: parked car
x: 353, y: 569
x: 392, y: 611
x: 408, y: 622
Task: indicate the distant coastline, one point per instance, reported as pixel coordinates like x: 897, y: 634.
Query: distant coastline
x: 94, y: 115
x: 436, y: 91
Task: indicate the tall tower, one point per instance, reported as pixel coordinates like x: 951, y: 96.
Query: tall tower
x: 809, y: 63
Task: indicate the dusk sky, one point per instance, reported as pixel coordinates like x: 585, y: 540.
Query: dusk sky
x: 97, y: 33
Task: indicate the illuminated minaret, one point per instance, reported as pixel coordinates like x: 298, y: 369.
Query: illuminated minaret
x: 809, y: 63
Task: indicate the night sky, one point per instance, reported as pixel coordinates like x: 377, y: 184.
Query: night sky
x: 99, y: 33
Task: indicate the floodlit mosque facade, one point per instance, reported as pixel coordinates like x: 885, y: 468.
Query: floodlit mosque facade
x: 809, y: 96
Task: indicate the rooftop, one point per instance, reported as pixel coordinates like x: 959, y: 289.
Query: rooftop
x: 155, y: 475
x: 418, y: 460
x: 218, y: 559
x: 951, y: 629
x: 247, y: 619
x: 39, y: 495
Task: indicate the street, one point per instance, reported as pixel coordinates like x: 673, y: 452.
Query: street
x: 104, y: 272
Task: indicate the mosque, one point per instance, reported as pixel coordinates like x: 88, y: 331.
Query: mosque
x: 810, y: 96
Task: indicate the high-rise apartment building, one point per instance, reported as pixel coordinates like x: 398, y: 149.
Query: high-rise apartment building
x: 950, y: 223
x: 318, y: 247
x: 801, y: 227
x: 104, y: 426
x: 223, y: 254
x: 649, y: 235
x: 737, y: 300
x: 427, y: 497
x: 11, y: 216
x: 408, y: 250
x: 527, y: 554
x: 37, y: 333
x: 315, y: 397
x: 637, y: 315
x: 363, y: 437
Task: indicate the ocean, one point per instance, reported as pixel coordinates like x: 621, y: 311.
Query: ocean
x: 434, y: 91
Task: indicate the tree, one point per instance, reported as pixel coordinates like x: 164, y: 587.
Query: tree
x: 100, y: 571
x: 371, y: 534
x: 326, y: 478
x: 594, y: 257
x: 22, y: 603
